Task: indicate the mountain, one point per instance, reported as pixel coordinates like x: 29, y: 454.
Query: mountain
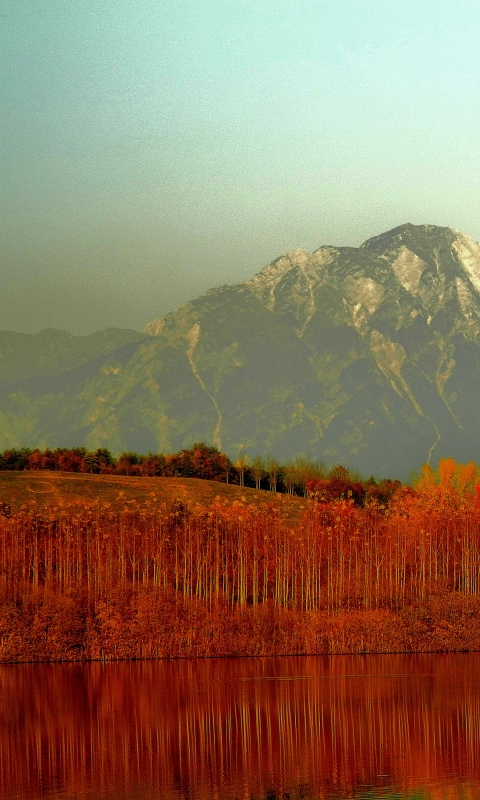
x: 51, y: 352
x: 366, y: 356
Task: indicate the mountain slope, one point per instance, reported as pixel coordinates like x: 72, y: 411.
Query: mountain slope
x: 391, y: 333
x: 368, y: 356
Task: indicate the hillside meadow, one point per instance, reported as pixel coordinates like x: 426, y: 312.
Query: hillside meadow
x: 113, y: 567
x: 62, y: 491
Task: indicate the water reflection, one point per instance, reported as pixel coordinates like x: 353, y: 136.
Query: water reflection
x: 305, y: 727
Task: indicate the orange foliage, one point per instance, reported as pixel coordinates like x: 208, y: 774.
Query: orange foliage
x: 451, y: 483
x: 159, y: 579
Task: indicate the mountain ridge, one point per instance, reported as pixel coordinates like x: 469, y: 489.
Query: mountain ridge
x: 52, y: 351
x: 367, y: 356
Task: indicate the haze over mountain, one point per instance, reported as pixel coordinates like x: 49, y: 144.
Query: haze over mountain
x: 51, y: 352
x: 366, y: 356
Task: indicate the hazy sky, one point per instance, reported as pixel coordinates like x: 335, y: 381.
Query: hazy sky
x: 153, y: 149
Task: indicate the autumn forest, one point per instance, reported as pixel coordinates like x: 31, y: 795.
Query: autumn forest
x: 351, y: 567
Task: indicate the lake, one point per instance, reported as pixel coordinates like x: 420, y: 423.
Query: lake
x: 293, y: 727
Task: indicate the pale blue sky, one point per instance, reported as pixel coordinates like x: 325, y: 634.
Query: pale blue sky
x: 151, y: 150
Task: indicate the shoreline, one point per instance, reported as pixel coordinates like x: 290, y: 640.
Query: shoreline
x: 61, y: 630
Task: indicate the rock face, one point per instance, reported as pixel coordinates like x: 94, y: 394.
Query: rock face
x: 365, y: 356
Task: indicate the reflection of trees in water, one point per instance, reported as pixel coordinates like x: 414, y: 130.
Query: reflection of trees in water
x: 325, y: 727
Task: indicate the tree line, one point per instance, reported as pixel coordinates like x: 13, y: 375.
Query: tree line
x: 302, y: 476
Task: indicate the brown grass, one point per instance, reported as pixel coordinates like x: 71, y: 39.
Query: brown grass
x: 67, y: 489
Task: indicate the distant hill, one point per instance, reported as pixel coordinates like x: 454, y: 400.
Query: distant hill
x: 117, y: 492
x: 51, y: 352
x: 366, y: 356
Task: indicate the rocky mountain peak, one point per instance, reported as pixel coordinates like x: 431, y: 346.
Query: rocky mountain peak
x: 288, y: 284
x: 409, y: 270
x: 428, y: 259
x: 425, y: 268
x: 410, y: 236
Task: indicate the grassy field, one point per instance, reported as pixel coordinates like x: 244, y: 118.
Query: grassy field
x: 67, y: 489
